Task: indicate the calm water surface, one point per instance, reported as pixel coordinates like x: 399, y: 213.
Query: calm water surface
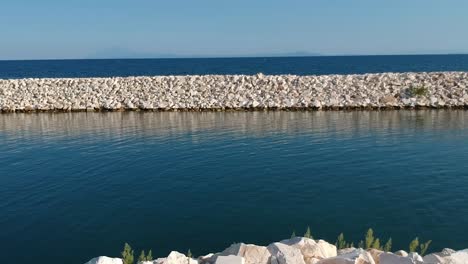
x: 75, y: 186
x: 286, y: 65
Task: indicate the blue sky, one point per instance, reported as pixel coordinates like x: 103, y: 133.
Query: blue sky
x: 48, y: 29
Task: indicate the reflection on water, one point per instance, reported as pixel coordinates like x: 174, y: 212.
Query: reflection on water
x: 78, y: 185
x: 239, y: 123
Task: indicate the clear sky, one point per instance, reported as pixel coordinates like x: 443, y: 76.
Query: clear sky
x: 46, y: 29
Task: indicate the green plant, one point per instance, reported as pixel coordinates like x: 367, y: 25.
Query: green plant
x: 369, y: 239
x: 340, y: 242
x: 424, y: 247
x: 361, y: 244
x: 142, y: 256
x: 415, y: 91
x: 293, y: 235
x: 189, y: 256
x: 149, y: 257
x: 388, y: 246
x: 127, y: 254
x: 376, y: 244
x: 307, y: 234
x: 413, y: 246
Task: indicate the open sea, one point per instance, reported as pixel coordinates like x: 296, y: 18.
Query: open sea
x: 78, y: 185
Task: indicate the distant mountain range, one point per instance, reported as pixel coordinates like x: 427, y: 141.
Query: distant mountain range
x: 117, y: 53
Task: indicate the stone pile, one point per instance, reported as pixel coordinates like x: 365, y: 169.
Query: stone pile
x: 300, y: 250
x: 239, y: 92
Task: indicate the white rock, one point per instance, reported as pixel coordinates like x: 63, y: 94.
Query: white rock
x: 447, y: 256
x: 231, y: 259
x: 284, y: 254
x: 312, y: 249
x: 105, y: 260
x: 178, y: 258
x: 358, y: 256
x: 390, y: 258
x: 401, y: 253
x: 252, y: 254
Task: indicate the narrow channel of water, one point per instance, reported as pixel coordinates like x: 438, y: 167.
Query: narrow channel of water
x: 78, y: 185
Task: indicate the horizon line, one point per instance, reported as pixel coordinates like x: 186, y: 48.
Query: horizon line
x: 240, y: 56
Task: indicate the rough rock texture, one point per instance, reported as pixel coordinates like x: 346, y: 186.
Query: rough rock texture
x: 230, y: 260
x: 176, y: 258
x: 252, y: 254
x: 284, y: 254
x: 312, y: 250
x: 301, y: 250
x: 390, y: 258
x: 105, y: 260
x: 375, y: 253
x: 448, y: 256
x: 357, y: 256
x: 218, y: 92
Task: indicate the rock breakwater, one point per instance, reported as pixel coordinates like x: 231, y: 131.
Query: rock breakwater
x: 237, y: 92
x: 301, y: 250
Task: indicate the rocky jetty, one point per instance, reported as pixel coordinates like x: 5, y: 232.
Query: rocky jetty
x: 237, y: 92
x: 300, y: 250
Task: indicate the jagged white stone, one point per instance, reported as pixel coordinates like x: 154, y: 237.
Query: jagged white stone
x: 252, y: 254
x: 441, y: 89
x: 447, y: 256
x: 301, y: 250
x: 284, y: 254
x: 105, y: 260
x: 390, y: 258
x: 357, y: 256
x: 312, y: 250
x: 231, y: 259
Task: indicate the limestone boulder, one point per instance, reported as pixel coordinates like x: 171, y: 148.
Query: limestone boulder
x: 375, y: 253
x: 312, y: 250
x: 447, y: 256
x: 285, y: 254
x: 252, y: 254
x: 390, y: 258
x: 105, y: 260
x: 357, y: 256
x: 401, y: 253
x: 231, y: 259
x: 176, y: 258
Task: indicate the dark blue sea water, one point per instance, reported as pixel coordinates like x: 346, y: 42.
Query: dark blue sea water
x: 78, y: 185
x: 290, y: 65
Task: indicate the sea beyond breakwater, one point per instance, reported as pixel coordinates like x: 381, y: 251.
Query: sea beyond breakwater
x: 237, y: 92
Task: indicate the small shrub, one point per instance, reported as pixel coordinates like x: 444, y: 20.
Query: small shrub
x: 413, y: 246
x: 127, y: 254
x: 388, y: 246
x: 149, y: 257
x: 376, y: 244
x: 369, y: 239
x: 416, y: 91
x: 293, y: 235
x: 361, y: 244
x: 307, y: 234
x: 340, y: 242
x: 189, y: 256
x: 142, y: 256
x: 424, y: 247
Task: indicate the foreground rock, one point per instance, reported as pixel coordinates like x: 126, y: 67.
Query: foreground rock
x: 356, y: 256
x: 311, y: 250
x: 105, y: 260
x: 300, y: 250
x: 448, y: 256
x: 252, y: 254
x: 220, y: 92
